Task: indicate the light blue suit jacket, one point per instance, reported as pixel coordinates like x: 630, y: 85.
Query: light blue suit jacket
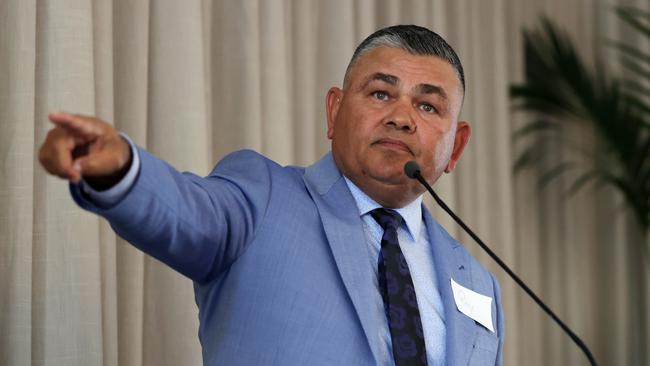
x: 280, y: 267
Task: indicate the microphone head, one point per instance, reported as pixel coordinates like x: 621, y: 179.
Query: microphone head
x: 412, y: 169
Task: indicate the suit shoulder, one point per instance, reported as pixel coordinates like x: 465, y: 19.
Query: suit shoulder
x: 251, y: 164
x: 242, y: 160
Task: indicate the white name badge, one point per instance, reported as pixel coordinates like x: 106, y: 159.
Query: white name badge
x: 473, y: 304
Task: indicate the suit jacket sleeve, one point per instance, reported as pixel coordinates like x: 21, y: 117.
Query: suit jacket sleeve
x: 198, y: 226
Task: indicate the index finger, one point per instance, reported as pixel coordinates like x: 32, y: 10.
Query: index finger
x: 85, y: 126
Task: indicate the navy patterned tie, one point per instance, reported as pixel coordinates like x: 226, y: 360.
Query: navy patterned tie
x: 398, y: 293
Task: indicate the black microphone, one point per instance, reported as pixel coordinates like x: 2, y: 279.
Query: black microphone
x: 412, y: 170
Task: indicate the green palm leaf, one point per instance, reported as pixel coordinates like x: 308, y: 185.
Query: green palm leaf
x: 559, y: 86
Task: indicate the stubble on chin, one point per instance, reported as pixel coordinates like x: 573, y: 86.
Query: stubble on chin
x: 390, y: 188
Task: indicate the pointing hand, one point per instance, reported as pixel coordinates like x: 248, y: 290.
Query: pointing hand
x: 85, y: 146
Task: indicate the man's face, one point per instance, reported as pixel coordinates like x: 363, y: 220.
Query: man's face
x: 396, y: 107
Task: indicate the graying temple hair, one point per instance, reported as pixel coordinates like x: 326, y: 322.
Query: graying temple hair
x: 413, y: 39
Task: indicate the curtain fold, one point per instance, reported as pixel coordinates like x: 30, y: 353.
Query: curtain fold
x: 17, y: 141
x: 130, y: 32
x: 192, y: 81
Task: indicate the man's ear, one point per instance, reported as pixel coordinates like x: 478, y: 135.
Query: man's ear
x: 332, y: 104
x: 463, y: 132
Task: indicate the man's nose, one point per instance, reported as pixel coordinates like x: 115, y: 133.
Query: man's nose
x: 400, y: 118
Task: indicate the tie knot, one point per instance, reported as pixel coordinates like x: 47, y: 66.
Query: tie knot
x: 386, y: 218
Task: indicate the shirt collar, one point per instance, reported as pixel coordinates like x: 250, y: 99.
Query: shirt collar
x: 412, y: 213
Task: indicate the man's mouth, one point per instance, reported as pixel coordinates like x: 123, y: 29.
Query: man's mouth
x: 393, y: 144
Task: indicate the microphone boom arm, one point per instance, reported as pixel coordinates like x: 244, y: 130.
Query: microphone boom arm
x: 412, y: 170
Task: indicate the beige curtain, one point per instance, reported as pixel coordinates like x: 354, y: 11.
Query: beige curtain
x: 194, y: 80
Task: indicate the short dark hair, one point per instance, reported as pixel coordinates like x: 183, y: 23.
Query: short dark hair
x: 413, y: 39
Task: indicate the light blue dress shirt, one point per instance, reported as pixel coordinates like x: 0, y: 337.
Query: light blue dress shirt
x: 414, y: 243
x: 413, y: 240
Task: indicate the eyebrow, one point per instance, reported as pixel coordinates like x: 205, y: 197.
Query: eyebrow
x: 394, y: 80
x: 431, y: 89
x: 387, y: 78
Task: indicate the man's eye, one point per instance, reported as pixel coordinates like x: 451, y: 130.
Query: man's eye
x: 428, y: 108
x: 380, y: 95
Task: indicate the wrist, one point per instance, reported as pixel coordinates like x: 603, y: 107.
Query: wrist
x: 105, y: 182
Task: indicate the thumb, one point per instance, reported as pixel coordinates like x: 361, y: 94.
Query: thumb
x: 98, y: 164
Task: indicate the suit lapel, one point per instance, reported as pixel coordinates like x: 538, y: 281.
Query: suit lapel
x: 344, y: 231
x: 450, y: 262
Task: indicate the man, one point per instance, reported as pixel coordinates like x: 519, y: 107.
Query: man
x: 338, y: 263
